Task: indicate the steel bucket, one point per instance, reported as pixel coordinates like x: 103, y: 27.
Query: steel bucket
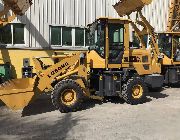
x: 126, y: 7
x: 17, y: 94
x: 19, y: 7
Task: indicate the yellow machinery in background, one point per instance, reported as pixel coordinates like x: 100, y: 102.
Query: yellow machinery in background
x: 169, y: 45
x: 166, y: 45
x: 109, y: 68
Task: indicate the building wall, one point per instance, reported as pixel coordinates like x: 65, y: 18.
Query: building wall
x: 44, y: 13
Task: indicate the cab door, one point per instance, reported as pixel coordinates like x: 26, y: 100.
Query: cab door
x: 116, y: 43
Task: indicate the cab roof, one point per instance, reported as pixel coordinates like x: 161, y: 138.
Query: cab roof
x: 112, y: 19
x: 171, y: 33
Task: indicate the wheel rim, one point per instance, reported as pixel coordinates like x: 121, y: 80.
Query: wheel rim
x: 137, y: 91
x: 68, y: 97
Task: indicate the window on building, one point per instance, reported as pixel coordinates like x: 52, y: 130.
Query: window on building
x: 67, y: 36
x: 79, y: 37
x: 55, y: 36
x: 87, y: 40
x: 12, y: 34
x: 6, y: 35
x: 18, y: 34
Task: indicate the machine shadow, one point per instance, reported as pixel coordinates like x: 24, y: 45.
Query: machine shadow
x: 44, y: 105
x: 118, y: 100
x: 90, y: 103
x: 1, y: 104
x: 39, y: 106
x: 157, y: 95
x: 114, y: 100
x: 177, y: 85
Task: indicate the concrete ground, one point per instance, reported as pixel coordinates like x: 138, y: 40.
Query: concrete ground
x: 157, y: 119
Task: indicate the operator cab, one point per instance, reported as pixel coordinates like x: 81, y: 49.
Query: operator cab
x: 169, y: 44
x: 106, y: 37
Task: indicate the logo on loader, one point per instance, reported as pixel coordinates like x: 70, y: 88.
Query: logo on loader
x: 58, y: 69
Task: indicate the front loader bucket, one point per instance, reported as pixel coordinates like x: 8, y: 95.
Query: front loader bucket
x: 16, y: 94
x: 126, y: 7
x: 19, y: 7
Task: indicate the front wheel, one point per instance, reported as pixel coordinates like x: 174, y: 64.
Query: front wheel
x: 67, y: 96
x: 134, y: 91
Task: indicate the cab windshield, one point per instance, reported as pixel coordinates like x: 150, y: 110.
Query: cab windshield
x: 165, y: 44
x: 176, y: 42
x: 96, y: 37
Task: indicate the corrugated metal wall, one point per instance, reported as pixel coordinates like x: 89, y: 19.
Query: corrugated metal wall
x: 157, y: 14
x: 78, y: 12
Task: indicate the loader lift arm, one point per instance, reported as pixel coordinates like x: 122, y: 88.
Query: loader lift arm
x: 125, y: 8
x: 64, y: 68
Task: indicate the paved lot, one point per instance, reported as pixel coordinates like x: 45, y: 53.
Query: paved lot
x: 157, y: 119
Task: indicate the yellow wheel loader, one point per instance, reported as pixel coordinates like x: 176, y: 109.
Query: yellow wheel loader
x: 169, y: 45
x: 166, y: 45
x: 108, y: 68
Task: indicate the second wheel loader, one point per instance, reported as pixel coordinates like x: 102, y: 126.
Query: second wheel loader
x: 108, y: 68
x: 169, y: 44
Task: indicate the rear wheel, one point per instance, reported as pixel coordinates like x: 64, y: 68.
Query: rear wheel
x: 134, y: 91
x: 67, y: 96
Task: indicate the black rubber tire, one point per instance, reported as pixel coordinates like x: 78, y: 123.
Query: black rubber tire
x: 57, y: 92
x: 127, y: 91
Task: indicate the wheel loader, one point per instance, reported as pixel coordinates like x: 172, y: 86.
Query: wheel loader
x: 169, y: 45
x: 110, y: 67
